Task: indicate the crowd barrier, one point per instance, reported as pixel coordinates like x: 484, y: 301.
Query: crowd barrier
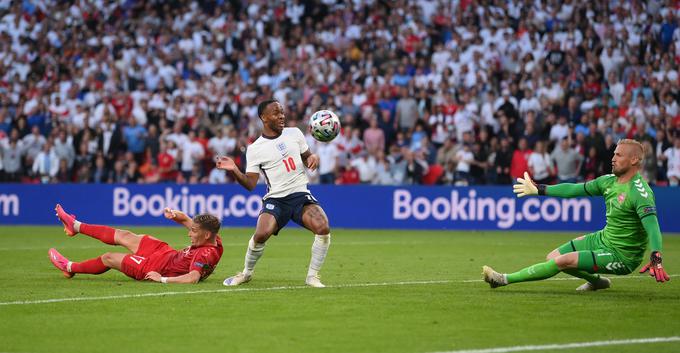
x: 359, y: 206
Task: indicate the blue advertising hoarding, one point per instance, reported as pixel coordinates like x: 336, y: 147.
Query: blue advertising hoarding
x: 360, y: 206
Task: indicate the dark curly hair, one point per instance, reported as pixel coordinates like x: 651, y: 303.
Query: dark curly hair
x: 263, y: 105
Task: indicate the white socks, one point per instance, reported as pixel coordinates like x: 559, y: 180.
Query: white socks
x: 319, y: 251
x: 253, y: 254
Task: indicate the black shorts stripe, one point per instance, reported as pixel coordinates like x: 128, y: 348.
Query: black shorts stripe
x: 594, y: 261
x: 573, y: 248
x: 266, y: 179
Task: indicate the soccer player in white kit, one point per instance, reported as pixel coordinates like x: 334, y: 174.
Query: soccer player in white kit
x: 281, y: 154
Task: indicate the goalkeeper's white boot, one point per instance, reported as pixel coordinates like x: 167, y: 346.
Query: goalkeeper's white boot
x: 314, y: 281
x: 602, y: 283
x: 237, y: 279
x: 493, y: 278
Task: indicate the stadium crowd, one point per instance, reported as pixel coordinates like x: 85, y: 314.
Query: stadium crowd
x: 428, y: 92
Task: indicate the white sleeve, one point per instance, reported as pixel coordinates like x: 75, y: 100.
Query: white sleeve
x: 253, y: 164
x: 300, y: 137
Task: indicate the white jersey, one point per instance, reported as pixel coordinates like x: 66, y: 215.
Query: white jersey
x: 280, y: 161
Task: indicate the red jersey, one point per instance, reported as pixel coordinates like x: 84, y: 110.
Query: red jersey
x: 520, y: 163
x: 155, y: 255
x: 203, y: 259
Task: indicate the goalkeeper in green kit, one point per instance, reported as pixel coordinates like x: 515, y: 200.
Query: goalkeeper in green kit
x: 619, y: 247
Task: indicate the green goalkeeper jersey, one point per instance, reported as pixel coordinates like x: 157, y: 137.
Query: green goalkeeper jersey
x: 627, y: 204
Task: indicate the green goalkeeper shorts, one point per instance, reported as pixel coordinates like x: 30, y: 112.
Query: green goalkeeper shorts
x: 595, y: 257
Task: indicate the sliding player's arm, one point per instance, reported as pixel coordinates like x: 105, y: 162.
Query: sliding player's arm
x: 191, y: 277
x: 526, y: 187
x: 178, y: 216
x: 248, y: 180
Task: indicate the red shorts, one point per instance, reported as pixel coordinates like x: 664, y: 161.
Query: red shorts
x: 149, y: 257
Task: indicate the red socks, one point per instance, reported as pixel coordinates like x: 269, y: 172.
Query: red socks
x: 103, y: 233
x: 93, y: 266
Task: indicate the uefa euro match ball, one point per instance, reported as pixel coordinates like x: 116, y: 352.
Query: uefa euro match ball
x: 324, y: 125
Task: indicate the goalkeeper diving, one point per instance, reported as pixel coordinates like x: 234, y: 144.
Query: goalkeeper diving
x: 617, y: 249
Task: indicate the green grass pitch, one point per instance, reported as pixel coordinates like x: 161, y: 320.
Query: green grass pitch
x: 389, y: 291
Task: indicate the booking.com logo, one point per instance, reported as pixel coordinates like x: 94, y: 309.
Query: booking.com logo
x: 504, y: 210
x: 125, y: 203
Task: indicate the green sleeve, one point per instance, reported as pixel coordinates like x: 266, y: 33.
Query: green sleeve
x: 567, y: 190
x: 645, y: 207
x: 594, y: 187
x: 651, y: 225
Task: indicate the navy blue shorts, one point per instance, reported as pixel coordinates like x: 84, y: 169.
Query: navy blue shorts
x: 286, y: 208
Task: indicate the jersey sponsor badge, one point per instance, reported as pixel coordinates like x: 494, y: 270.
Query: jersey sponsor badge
x: 649, y: 209
x: 269, y: 206
x: 282, y: 148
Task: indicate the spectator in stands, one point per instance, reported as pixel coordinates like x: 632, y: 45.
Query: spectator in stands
x: 328, y: 162
x: 478, y: 70
x: 672, y: 155
x: 406, y: 111
x: 541, y: 165
x: 416, y: 167
x: 568, y: 162
x: 503, y: 162
x: 520, y: 159
x: 649, y: 163
x: 374, y: 137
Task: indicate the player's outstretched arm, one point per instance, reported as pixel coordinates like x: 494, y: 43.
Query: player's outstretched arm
x: 526, y: 187
x: 247, y: 180
x: 191, y: 277
x: 655, y: 268
x: 178, y: 216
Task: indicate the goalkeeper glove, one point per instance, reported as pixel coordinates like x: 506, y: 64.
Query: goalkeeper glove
x: 526, y: 187
x: 655, y: 268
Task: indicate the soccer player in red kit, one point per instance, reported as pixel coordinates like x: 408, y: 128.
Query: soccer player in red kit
x: 151, y: 259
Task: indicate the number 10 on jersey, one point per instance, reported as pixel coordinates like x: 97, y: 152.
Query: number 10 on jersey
x: 289, y: 163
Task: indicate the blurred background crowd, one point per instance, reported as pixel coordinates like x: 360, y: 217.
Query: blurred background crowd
x: 428, y: 92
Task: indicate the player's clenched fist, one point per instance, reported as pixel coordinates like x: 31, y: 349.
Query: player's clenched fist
x: 655, y: 268
x: 169, y: 213
x: 226, y: 163
x: 525, y: 187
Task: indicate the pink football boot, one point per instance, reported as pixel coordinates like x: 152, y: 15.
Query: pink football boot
x: 67, y: 220
x: 60, y: 262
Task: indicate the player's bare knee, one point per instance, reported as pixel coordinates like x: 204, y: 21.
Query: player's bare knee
x: 553, y: 254
x: 261, y: 236
x: 123, y: 235
x: 566, y: 261
x: 323, y: 229
x: 107, y: 259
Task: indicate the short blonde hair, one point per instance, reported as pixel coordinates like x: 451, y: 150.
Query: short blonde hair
x: 639, y: 151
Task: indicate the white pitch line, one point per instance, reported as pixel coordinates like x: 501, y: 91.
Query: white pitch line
x: 351, y: 285
x: 551, y: 347
x: 161, y: 294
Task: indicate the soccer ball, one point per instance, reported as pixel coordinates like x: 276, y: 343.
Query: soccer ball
x: 324, y: 125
